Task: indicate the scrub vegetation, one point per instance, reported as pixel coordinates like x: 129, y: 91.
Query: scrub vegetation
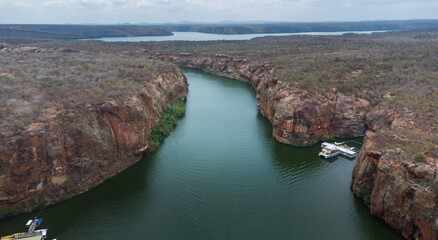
x: 400, y: 64
x: 35, y: 86
x: 167, y: 123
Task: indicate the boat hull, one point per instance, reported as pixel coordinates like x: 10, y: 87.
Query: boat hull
x: 330, y: 150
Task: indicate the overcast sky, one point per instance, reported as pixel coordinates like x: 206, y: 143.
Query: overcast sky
x: 162, y: 11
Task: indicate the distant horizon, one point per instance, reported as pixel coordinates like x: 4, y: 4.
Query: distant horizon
x: 171, y: 11
x: 224, y: 22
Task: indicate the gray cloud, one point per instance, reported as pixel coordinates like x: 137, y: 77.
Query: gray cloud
x: 116, y: 11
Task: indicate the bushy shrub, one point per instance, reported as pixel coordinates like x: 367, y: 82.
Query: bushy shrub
x: 167, y: 123
x: 209, y: 70
x: 35, y: 82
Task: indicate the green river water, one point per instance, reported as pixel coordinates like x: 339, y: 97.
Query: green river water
x: 220, y: 175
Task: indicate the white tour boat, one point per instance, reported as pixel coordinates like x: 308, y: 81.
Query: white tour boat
x: 333, y: 149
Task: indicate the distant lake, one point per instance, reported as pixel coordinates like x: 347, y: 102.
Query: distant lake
x: 196, y: 36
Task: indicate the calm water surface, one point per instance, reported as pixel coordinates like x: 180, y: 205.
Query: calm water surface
x: 220, y: 175
x: 196, y: 36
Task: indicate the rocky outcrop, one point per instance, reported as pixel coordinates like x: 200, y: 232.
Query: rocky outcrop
x: 69, y: 151
x: 298, y: 118
x: 398, y: 186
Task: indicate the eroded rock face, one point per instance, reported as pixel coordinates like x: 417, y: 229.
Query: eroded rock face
x: 398, y: 186
x: 297, y: 119
x: 74, y: 150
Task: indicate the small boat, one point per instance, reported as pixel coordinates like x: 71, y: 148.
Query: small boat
x: 328, y: 151
x: 333, y: 149
x: 36, y: 235
x: 31, y: 234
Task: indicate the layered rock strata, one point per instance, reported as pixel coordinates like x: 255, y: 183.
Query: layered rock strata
x: 61, y: 152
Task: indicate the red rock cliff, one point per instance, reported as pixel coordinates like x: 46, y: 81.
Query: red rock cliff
x: 399, y: 185
x: 64, y: 152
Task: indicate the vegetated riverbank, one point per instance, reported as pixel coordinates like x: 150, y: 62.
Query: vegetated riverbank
x: 167, y: 122
x: 313, y: 88
x: 72, y: 120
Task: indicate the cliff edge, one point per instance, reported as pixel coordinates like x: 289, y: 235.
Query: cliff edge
x: 70, y: 120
